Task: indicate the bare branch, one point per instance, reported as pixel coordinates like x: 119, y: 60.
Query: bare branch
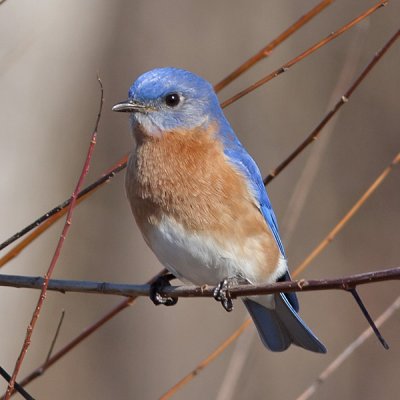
x: 349, y: 350
x: 46, y: 279
x: 220, y: 349
x: 82, y: 336
x: 341, y: 224
x: 108, y: 288
x: 304, y: 54
x: 343, y: 100
x: 267, y: 50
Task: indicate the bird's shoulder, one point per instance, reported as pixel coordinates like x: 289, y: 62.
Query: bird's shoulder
x: 242, y: 160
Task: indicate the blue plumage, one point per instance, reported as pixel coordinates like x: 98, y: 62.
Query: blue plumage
x: 167, y: 100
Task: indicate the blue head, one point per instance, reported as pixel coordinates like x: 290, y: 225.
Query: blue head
x: 165, y: 99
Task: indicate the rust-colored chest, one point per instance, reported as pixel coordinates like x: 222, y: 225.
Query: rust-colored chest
x: 184, y: 175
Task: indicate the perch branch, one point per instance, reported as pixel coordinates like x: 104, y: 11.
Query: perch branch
x: 82, y: 336
x: 302, y: 285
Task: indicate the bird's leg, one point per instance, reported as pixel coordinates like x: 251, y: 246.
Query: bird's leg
x: 223, y: 295
x: 158, y: 285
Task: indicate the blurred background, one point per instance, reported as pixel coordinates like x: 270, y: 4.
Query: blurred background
x: 50, y: 54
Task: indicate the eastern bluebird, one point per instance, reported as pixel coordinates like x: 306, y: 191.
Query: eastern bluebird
x: 200, y: 202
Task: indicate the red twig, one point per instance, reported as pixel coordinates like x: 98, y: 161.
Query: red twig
x: 82, y: 336
x: 305, y: 54
x: 267, y: 50
x: 56, y: 255
x: 343, y: 100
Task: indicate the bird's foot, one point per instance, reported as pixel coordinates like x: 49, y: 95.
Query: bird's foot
x: 223, y: 295
x: 158, y: 285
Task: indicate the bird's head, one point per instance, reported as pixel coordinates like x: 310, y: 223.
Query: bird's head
x: 165, y: 99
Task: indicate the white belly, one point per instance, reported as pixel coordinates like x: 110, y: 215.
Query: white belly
x: 199, y: 258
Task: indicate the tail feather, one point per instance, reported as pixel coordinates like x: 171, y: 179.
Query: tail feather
x: 279, y: 325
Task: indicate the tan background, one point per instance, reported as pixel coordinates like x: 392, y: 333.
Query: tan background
x: 50, y: 54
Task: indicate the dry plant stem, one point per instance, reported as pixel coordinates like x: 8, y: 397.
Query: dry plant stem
x: 57, y: 252
x: 82, y: 336
x: 344, y: 99
x: 206, y: 361
x: 267, y: 50
x: 348, y: 351
x: 17, y: 386
x: 53, y: 342
x: 237, y: 364
x: 333, y: 233
x: 56, y: 213
x: 302, y: 285
x: 305, y: 54
x: 302, y: 188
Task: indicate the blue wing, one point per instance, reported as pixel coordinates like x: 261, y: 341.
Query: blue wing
x: 242, y: 160
x: 280, y: 326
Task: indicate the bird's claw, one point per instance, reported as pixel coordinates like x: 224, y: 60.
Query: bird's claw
x: 158, y: 285
x: 223, y: 295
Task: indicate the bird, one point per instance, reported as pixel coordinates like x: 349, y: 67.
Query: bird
x: 199, y: 201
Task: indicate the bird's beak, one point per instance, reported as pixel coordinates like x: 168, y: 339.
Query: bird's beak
x: 130, y: 106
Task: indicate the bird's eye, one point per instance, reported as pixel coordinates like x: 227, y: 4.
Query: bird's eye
x: 172, y: 99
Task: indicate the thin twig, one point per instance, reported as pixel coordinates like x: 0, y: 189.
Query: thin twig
x: 304, y: 54
x: 344, y: 99
x: 53, y: 342
x: 302, y: 188
x: 17, y: 387
x: 267, y: 50
x: 57, y: 252
x: 57, y: 212
x: 122, y: 289
x: 82, y: 336
x: 341, y: 224
x: 220, y: 349
x: 348, y: 351
x: 237, y: 364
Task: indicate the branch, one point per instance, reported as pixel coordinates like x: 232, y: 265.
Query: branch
x: 348, y: 351
x: 304, y: 54
x: 343, y: 100
x: 267, y: 50
x: 302, y: 285
x: 57, y: 252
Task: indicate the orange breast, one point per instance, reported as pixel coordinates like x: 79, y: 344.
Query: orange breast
x: 186, y: 176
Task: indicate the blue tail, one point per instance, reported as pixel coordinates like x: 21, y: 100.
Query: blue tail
x: 279, y: 325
